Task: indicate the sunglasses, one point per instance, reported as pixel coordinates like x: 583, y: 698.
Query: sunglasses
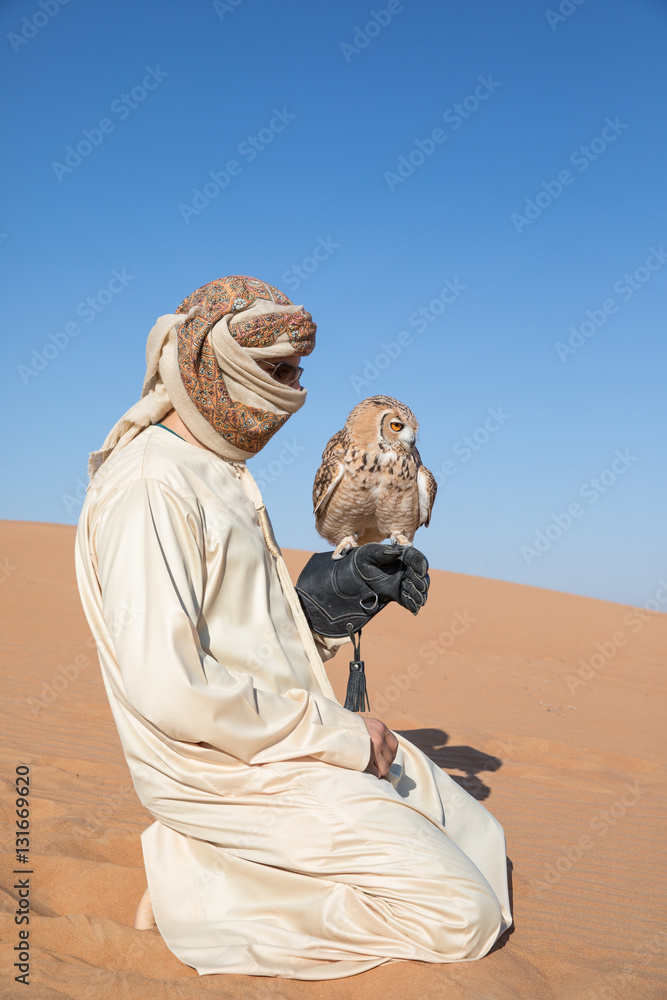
x: 283, y: 371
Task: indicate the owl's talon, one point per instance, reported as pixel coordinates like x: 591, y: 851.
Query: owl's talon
x: 399, y: 539
x: 344, y: 546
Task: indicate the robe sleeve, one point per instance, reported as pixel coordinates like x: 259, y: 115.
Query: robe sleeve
x: 152, y: 572
x: 328, y: 647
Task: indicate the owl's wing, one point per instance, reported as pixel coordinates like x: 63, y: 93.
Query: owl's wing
x: 427, y: 489
x: 330, y: 471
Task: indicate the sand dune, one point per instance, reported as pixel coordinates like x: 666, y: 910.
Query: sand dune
x: 495, y: 681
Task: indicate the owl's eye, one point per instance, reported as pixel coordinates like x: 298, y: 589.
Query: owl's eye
x: 396, y: 425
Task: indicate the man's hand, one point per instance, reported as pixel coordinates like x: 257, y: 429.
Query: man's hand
x: 393, y: 573
x: 383, y: 748
x: 335, y: 593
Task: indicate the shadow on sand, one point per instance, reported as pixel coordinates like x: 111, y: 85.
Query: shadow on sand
x: 432, y: 742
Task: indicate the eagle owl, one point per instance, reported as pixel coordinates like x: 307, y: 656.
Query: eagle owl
x: 371, y: 484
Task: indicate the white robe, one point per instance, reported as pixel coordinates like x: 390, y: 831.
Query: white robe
x: 272, y: 852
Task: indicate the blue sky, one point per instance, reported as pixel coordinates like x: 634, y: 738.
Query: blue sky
x: 484, y: 186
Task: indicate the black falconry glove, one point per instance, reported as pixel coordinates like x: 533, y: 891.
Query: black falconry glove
x: 337, y: 593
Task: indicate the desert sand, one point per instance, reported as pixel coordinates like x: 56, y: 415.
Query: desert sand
x: 567, y: 754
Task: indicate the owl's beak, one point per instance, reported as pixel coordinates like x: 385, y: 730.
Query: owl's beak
x: 408, y: 436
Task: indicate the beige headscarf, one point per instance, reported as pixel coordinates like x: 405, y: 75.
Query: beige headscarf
x: 202, y: 362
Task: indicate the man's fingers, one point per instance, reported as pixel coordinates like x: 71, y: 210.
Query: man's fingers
x: 379, y: 765
x: 411, y: 598
x: 385, y: 766
x: 379, y: 564
x: 384, y: 745
x: 391, y: 741
x: 420, y: 582
x: 389, y: 748
x: 378, y: 555
x: 417, y: 594
x: 416, y: 560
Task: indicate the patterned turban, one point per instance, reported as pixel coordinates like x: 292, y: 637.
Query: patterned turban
x: 202, y: 361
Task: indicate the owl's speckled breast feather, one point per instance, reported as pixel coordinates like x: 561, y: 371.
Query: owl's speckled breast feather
x: 376, y: 495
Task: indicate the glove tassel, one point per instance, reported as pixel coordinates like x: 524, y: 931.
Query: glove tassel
x: 356, y: 697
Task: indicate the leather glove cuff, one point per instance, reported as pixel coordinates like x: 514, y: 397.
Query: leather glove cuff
x: 333, y: 595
